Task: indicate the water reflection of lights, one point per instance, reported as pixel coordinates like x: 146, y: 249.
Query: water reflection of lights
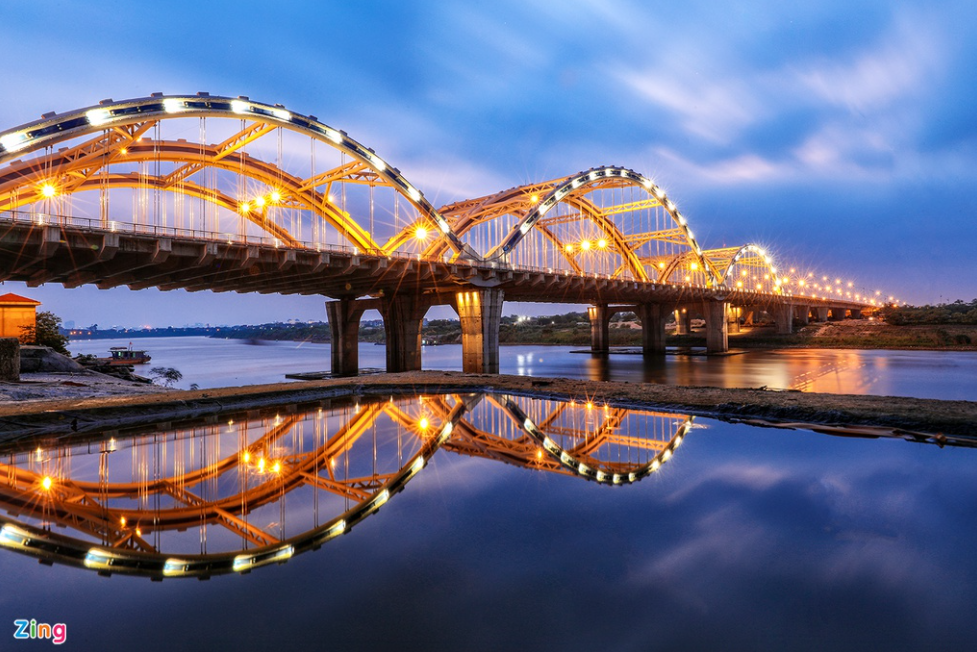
x: 207, y: 498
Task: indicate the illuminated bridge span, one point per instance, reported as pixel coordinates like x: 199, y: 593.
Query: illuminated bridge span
x: 214, y: 193
x: 209, y: 498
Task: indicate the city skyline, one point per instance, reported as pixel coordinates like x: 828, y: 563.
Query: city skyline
x: 837, y: 136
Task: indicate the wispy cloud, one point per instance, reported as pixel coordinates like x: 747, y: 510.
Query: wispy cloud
x: 900, y: 66
x: 710, y: 109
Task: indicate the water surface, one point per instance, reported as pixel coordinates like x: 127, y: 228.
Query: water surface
x: 924, y: 374
x: 744, y: 539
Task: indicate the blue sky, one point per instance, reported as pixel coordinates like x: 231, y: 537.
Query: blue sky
x: 840, y: 135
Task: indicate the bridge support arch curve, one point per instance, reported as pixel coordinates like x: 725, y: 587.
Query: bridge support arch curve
x: 636, y: 256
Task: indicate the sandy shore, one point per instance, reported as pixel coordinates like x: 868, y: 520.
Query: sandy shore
x: 121, y: 406
x: 72, y: 386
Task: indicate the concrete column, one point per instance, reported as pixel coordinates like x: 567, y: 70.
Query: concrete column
x: 480, y: 312
x: 344, y: 328
x: 783, y: 316
x: 748, y: 316
x: 652, y: 317
x: 837, y: 314
x: 717, y: 340
x: 9, y: 359
x: 600, y: 337
x: 856, y: 313
x: 802, y: 314
x: 733, y: 320
x: 822, y: 313
x: 683, y: 321
x: 402, y: 318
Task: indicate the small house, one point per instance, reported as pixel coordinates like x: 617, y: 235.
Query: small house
x: 16, y: 312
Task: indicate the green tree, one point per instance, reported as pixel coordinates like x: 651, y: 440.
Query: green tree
x: 46, y: 332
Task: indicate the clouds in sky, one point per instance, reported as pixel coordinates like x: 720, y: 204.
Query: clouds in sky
x: 766, y: 120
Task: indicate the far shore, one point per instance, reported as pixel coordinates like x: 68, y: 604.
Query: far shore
x: 847, y: 334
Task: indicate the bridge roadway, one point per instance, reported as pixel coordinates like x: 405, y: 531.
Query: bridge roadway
x: 402, y: 287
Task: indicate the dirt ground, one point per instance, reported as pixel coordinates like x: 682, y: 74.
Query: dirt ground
x: 77, y: 385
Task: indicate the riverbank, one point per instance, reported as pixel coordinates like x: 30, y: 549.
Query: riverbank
x: 846, y: 414
x: 74, y: 386
x: 863, y: 334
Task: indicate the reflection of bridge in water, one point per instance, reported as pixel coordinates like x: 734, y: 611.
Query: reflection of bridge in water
x: 209, y: 498
x: 202, y: 192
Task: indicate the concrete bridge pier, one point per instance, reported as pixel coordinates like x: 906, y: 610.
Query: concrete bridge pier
x: 600, y: 336
x: 652, y: 317
x: 822, y: 313
x: 748, y: 316
x: 683, y: 321
x: 402, y: 318
x: 344, y: 327
x: 480, y: 313
x: 802, y: 314
x: 837, y: 314
x: 783, y: 315
x: 733, y: 320
x: 717, y: 335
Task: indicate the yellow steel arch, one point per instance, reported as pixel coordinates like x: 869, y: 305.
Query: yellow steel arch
x: 750, y: 255
x: 572, y: 189
x: 118, y: 126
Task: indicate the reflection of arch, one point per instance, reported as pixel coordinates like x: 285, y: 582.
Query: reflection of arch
x: 580, y: 459
x: 84, y: 506
x: 129, y: 525
x: 119, y: 126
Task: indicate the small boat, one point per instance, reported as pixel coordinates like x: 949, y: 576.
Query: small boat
x: 119, y: 355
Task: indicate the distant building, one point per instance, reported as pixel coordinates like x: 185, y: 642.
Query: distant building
x: 16, y: 312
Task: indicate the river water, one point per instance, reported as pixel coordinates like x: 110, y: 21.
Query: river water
x: 211, y: 362
x: 745, y: 538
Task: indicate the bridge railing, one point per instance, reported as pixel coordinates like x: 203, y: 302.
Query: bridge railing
x: 96, y: 225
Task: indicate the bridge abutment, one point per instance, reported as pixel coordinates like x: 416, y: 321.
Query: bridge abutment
x: 717, y: 335
x: 480, y: 313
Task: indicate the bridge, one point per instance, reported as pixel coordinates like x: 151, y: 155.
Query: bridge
x: 201, y: 192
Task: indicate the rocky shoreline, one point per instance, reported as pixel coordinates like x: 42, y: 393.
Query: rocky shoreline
x: 65, y: 409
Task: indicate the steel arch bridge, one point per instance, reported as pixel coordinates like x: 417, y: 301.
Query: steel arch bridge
x: 211, y: 499
x: 205, y: 192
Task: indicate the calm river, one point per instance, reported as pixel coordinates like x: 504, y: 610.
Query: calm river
x: 924, y: 374
x: 527, y: 524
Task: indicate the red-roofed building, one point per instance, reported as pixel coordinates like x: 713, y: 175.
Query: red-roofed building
x: 16, y: 312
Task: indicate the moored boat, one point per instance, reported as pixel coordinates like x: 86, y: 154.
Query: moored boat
x: 120, y: 355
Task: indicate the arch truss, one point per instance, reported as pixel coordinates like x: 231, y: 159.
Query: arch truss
x: 209, y: 166
x: 609, y: 221
x: 748, y: 268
